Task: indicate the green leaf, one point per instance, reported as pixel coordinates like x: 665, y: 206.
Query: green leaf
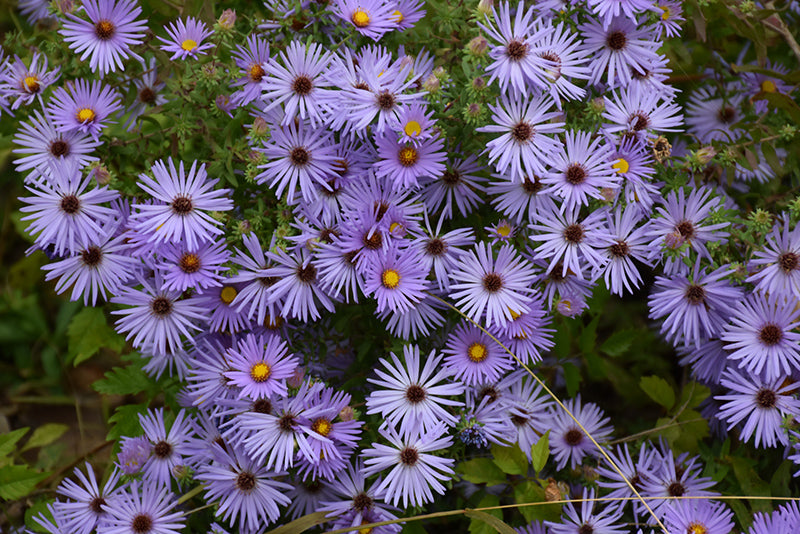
x: 572, y: 376
x: 125, y: 421
x: 530, y: 491
x: 772, y: 159
x: 693, y: 428
x: 751, y: 483
x: 784, y: 102
x: 477, y: 525
x: 45, y: 435
x: 125, y: 381
x: 39, y: 508
x: 659, y: 390
x: 510, y: 459
x: 618, y: 342
x: 693, y: 394
x: 494, y: 522
x: 481, y: 471
x: 17, y: 481
x: 7, y: 441
x: 588, y: 338
x: 540, y: 451
x: 301, y: 524
x: 88, y: 332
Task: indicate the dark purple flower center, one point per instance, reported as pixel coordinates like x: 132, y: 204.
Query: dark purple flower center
x: 766, y: 398
x: 488, y: 391
x: 268, y: 281
x: 307, y: 274
x: 147, y: 95
x: 262, y: 406
x: 91, y: 256
x: 312, y: 486
x: 636, y: 480
x: 616, y: 40
x: 374, y: 241
x: 104, y: 30
x: 532, y: 186
x: 415, y: 394
x: 142, y: 524
x: 362, y: 85
x: 451, y: 177
x: 770, y: 334
x: 788, y: 261
x: 516, y: 50
x: 574, y: 233
x: 299, y: 156
x: 182, y: 205
x: 362, y: 502
x: 620, y: 249
x: 350, y: 257
x: 492, y: 282
x: 519, y: 419
x: 161, y: 306
x: 676, y: 489
x: 256, y: 72
x: 686, y: 229
x: 326, y: 235
x: 189, y: 263
x: 386, y: 100
x: 246, y: 481
x: 409, y: 456
x: 556, y: 60
x: 575, y: 174
x: 59, y: 147
x: 70, y: 204
x: 522, y: 132
x: 302, y: 85
x: 162, y: 449
x: 695, y: 294
x: 586, y: 528
x: 726, y: 114
x: 97, y: 505
x: 573, y: 437
x: 435, y: 247
x: 287, y: 422
x: 380, y: 209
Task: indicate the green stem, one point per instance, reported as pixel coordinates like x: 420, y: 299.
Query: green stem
x: 186, y: 496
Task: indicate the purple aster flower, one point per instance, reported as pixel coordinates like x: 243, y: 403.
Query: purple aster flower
x: 580, y: 169
x: 84, y: 511
x: 168, y: 448
x: 570, y: 242
x: 500, y: 232
x: 497, y: 288
x: 247, y: 493
x: 458, y: 184
x: 372, y: 18
x: 197, y: 268
x: 337, y: 271
x: 297, y: 285
x: 527, y: 408
x: 523, y: 148
x: 149, y: 93
x: 414, y: 470
x: 299, y: 84
x: 568, y: 443
x: 403, y: 164
x: 708, y: 362
x: 108, y: 34
x: 713, y: 117
x: 761, y: 404
x: 636, y: 112
x: 669, y: 22
x: 633, y: 163
x: 251, y: 60
x: 776, y: 268
x: 635, y: 472
x: 99, y: 269
x: 356, y: 501
x: 587, y: 520
x: 186, y: 39
x: 694, y: 308
x: 260, y: 366
x: 770, y: 523
x: 473, y: 357
x: 307, y: 496
x: 484, y: 423
x: 22, y: 84
x: 630, y: 242
x: 439, y: 252
x: 300, y: 157
x: 34, y: 10
x: 143, y: 510
x: 412, y: 124
x: 620, y: 47
x: 63, y: 213
x: 527, y: 334
x: 608, y: 10
x: 253, y: 273
x: 516, y: 62
x: 568, y: 60
x: 182, y: 200
x: 519, y: 199
x: 675, y: 478
x: 420, y: 320
x: 42, y: 147
x: 156, y: 317
x: 411, y: 399
x: 133, y: 454
x: 79, y: 106
x: 698, y: 516
x: 557, y: 284
x: 760, y: 84
x: 762, y: 337
x: 407, y: 13
x: 395, y: 279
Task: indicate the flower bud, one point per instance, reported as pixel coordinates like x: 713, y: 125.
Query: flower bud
x: 259, y: 128
x: 227, y: 19
x: 478, y: 45
x: 485, y: 7
x: 102, y: 175
x: 705, y: 155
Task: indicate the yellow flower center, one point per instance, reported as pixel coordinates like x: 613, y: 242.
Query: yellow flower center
x: 273, y: 323
x: 504, y: 230
x: 477, y: 352
x: 227, y: 294
x: 260, y: 372
x: 189, y: 45
x: 666, y: 12
x: 768, y: 86
x: 696, y: 528
x: 394, y: 227
x: 621, y: 166
x: 86, y: 115
x: 390, y: 278
x: 31, y: 83
x: 256, y: 72
x: 360, y: 18
x: 413, y: 128
x: 365, y: 530
x: 322, y: 427
x: 408, y: 156
x: 398, y: 17
x: 514, y: 315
